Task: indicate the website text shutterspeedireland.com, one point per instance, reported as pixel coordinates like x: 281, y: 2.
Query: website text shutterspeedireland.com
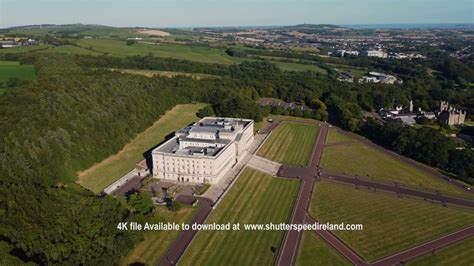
x: 135, y: 226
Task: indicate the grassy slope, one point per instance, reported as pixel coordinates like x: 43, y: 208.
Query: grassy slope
x: 390, y: 224
x: 11, y: 69
x: 195, y: 53
x: 70, y: 49
x: 168, y: 74
x: 363, y: 160
x: 254, y: 198
x: 106, y: 172
x: 313, y: 250
x: 334, y: 137
x: 290, y: 143
x: 156, y: 243
x: 459, y: 254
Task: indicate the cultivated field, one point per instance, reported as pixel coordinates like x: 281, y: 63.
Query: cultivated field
x: 152, y: 32
x: 106, y: 172
x: 254, y: 198
x: 156, y: 243
x: 290, y: 143
x: 459, y: 254
x: 13, y: 69
x: 313, y: 250
x: 390, y: 224
x: 365, y: 161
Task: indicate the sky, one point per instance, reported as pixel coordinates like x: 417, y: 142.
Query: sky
x: 189, y: 13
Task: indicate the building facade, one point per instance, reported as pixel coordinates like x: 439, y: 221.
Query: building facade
x: 203, y: 152
x: 450, y: 115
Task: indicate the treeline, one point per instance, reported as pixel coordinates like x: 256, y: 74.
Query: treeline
x: 424, y: 144
x: 64, y: 121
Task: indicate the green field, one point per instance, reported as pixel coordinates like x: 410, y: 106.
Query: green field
x: 357, y: 71
x: 168, y: 74
x: 106, y: 172
x: 70, y: 49
x: 195, y: 53
x: 156, y: 243
x: 313, y: 250
x: 365, y: 161
x: 390, y: 224
x: 290, y: 143
x: 335, y: 137
x: 254, y: 198
x: 12, y: 69
x: 459, y: 254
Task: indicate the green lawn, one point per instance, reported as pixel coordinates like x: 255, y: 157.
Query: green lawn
x: 313, y: 250
x: 106, y: 172
x: 290, y: 143
x: 335, y: 136
x: 13, y: 69
x: 156, y: 243
x: 390, y: 224
x: 459, y: 254
x: 365, y: 161
x: 254, y: 198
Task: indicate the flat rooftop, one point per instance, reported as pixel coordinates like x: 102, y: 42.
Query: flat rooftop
x: 206, y: 137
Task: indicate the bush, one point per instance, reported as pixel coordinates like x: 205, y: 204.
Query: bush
x: 174, y: 206
x: 141, y: 202
x: 206, y: 111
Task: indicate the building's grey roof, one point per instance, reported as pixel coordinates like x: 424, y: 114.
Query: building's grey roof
x: 407, y: 120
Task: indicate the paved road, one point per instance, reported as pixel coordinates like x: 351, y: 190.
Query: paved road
x: 399, y: 189
x: 289, y: 248
x: 427, y: 247
x: 175, y: 252
x: 338, y: 244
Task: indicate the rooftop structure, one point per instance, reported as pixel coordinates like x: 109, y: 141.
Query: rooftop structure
x: 204, y: 151
x: 377, y: 77
x: 375, y: 53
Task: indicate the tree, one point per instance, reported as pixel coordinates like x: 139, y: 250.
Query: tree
x: 130, y: 42
x: 174, y: 206
x: 206, y: 111
x: 140, y: 202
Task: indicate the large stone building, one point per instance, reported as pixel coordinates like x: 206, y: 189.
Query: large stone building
x: 450, y: 115
x: 203, y: 152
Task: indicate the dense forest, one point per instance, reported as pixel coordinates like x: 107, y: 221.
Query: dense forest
x: 77, y: 112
